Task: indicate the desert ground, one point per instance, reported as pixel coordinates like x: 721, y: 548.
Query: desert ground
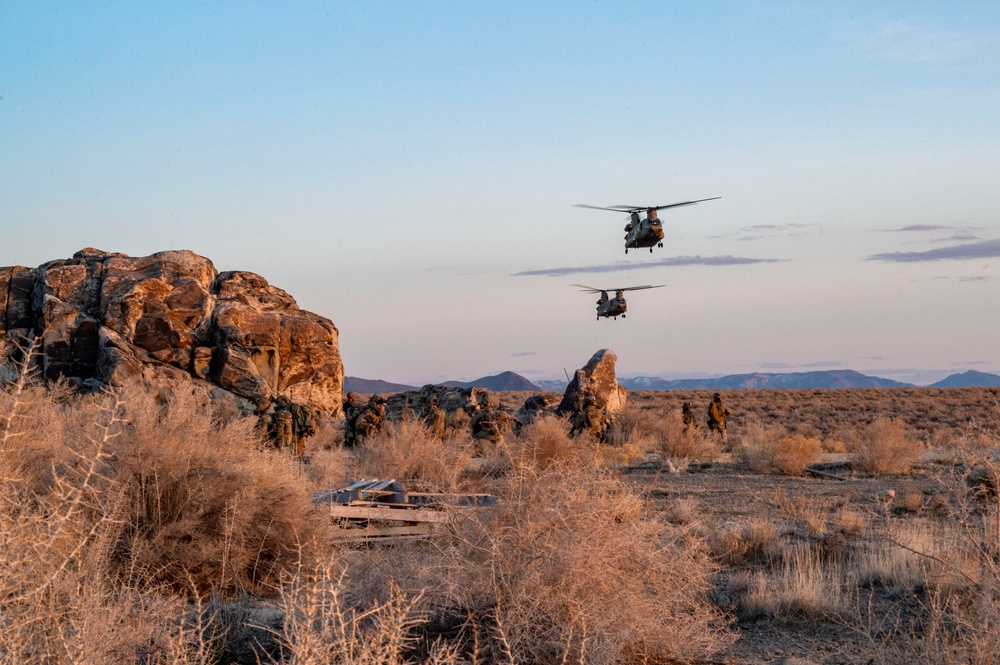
x: 832, y: 526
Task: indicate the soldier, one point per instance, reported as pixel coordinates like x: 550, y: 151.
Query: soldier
x: 351, y: 412
x: 305, y: 421
x: 490, y: 422
x: 687, y: 416
x: 717, y: 414
x: 282, y: 429
x: 369, y: 421
x: 590, y: 418
x: 434, y: 419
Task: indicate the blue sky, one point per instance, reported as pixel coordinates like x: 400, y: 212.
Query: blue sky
x: 408, y: 170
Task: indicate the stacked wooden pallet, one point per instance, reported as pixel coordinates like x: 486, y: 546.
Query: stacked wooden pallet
x: 382, y: 509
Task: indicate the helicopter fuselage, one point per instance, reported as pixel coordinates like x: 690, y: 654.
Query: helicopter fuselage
x: 611, y: 307
x: 647, y: 232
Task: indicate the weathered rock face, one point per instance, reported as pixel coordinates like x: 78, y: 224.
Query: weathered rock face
x: 596, y: 378
x: 104, y: 318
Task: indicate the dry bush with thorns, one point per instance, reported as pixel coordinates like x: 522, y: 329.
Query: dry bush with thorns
x: 546, y: 441
x: 405, y: 450
x: 569, y: 566
x: 884, y: 447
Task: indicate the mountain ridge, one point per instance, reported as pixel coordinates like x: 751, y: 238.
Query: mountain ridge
x: 822, y: 379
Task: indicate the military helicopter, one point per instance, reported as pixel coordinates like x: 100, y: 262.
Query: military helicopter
x: 647, y: 232
x: 613, y: 307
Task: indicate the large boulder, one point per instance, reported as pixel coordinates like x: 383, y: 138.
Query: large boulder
x: 103, y: 318
x: 596, y: 379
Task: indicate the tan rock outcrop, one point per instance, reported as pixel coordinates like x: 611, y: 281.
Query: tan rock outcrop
x: 105, y: 319
x: 597, y: 379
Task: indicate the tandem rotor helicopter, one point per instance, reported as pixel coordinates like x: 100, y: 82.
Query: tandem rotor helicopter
x: 613, y: 307
x: 646, y: 232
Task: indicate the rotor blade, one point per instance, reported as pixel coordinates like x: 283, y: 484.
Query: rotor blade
x: 584, y: 205
x: 685, y: 203
x: 638, y: 288
x: 589, y: 289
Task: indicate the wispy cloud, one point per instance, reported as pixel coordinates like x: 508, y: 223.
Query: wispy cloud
x: 674, y: 261
x: 922, y: 227
x: 986, y: 249
x: 762, y: 231
x: 524, y: 353
x: 824, y: 363
x: 908, y: 41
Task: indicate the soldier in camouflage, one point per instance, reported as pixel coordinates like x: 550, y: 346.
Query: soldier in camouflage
x: 490, y: 422
x: 371, y: 419
x: 717, y: 414
x: 351, y: 411
x: 434, y: 419
x: 591, y: 419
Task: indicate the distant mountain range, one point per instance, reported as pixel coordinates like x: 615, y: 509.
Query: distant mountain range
x: 841, y: 378
x: 497, y: 383
x: 353, y: 384
x: 970, y: 379
x: 502, y: 381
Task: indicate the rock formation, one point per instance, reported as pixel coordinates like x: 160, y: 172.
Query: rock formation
x: 104, y: 318
x: 597, y: 379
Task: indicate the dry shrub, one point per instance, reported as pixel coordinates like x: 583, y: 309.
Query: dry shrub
x: 62, y: 518
x: 850, y: 522
x: 769, y: 449
x: 405, y: 450
x: 204, y: 504
x: 569, y: 566
x: 682, y: 444
x: 754, y: 541
x: 323, y: 626
x: 546, y: 441
x: 634, y: 426
x: 330, y: 469
x: 883, y: 447
x: 196, y: 502
x: 663, y: 432
x: 683, y: 510
x: 572, y: 566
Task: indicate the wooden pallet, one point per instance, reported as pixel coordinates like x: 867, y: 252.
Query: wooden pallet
x: 382, y: 509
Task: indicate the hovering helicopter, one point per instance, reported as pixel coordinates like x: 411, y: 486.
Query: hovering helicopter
x: 647, y: 232
x: 613, y: 307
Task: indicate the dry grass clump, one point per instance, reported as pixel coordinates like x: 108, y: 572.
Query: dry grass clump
x: 808, y: 587
x: 754, y: 541
x: 884, y: 447
x: 405, y: 450
x: 769, y: 449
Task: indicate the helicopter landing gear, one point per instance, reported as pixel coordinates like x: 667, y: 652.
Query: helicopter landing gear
x: 626, y: 250
x: 660, y: 245
x: 623, y: 316
x: 650, y: 250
